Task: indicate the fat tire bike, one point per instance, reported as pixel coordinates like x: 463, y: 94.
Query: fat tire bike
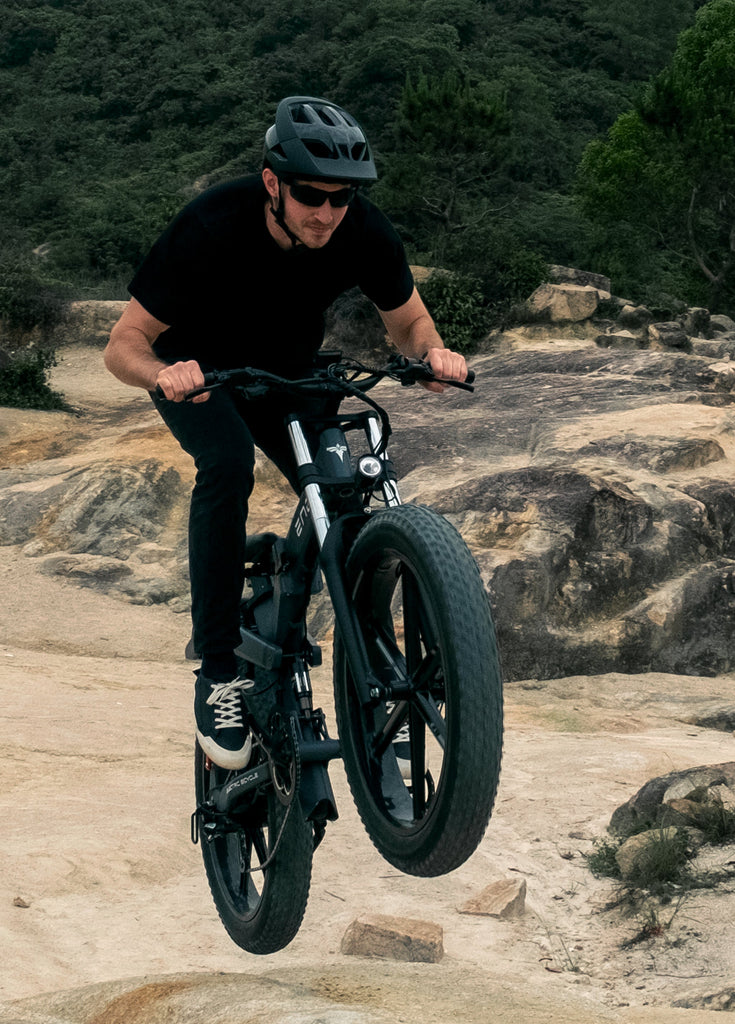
x: 416, y: 673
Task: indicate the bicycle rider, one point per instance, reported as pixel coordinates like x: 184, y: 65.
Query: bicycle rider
x: 242, y: 277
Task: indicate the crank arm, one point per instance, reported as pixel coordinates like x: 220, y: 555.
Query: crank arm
x: 225, y: 797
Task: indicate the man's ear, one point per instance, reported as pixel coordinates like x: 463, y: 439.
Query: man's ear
x: 270, y: 180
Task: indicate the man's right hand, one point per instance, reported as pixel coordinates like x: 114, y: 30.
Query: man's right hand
x: 179, y: 379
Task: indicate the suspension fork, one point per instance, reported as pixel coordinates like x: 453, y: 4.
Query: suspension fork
x: 333, y: 553
x: 375, y: 437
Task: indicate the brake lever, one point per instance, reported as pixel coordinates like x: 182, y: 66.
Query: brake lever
x: 203, y: 390
x: 463, y: 385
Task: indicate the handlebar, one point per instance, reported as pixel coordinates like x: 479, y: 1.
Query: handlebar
x: 331, y: 375
x: 339, y: 376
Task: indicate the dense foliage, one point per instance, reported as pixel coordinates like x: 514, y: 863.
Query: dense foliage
x: 113, y: 113
x: 660, y: 188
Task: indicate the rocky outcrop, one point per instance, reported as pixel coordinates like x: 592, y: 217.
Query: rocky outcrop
x: 101, y: 527
x: 595, y: 490
x: 89, y: 322
x: 594, y: 485
x: 678, y: 798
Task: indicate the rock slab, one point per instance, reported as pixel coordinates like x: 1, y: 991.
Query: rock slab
x: 394, y: 938
x: 503, y: 899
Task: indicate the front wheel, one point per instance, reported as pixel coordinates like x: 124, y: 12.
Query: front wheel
x: 423, y: 765
x: 258, y: 863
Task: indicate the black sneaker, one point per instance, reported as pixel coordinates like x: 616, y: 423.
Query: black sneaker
x: 402, y: 750
x: 221, y: 732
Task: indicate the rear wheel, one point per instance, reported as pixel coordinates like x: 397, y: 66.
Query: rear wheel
x: 424, y: 765
x: 260, y: 895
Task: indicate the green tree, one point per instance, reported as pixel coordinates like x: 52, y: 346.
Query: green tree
x: 449, y: 136
x: 693, y: 103
x: 661, y: 185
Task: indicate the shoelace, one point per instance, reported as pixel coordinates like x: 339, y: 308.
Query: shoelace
x: 227, y: 707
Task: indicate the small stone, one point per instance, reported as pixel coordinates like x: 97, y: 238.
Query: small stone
x: 394, y: 938
x: 20, y: 902
x: 504, y: 899
x: 618, y: 339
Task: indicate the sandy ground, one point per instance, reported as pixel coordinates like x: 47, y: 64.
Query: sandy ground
x: 99, y: 881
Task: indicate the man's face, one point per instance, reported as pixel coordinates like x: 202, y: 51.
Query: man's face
x: 313, y: 225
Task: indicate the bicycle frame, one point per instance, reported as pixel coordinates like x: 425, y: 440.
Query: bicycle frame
x: 333, y: 505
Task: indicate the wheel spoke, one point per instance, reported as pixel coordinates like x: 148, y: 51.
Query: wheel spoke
x: 412, y: 622
x: 259, y: 844
x: 433, y: 718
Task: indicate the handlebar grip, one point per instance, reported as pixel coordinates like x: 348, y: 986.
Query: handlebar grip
x: 470, y: 378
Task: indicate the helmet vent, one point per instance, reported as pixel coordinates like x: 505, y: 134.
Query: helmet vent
x: 299, y: 115
x: 319, y: 149
x: 327, y: 117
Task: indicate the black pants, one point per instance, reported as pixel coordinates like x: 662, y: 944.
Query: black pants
x: 220, y: 435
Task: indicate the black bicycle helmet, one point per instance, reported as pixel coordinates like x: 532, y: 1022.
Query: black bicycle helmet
x: 313, y: 138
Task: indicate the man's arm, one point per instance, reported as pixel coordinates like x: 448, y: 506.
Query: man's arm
x: 130, y: 357
x: 414, y: 334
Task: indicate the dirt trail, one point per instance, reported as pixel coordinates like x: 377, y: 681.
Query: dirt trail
x: 100, y: 882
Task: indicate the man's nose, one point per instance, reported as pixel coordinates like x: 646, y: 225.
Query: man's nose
x: 324, y: 212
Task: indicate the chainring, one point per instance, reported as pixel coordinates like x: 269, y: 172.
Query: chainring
x: 284, y: 757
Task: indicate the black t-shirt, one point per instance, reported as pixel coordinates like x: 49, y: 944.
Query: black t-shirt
x: 233, y: 297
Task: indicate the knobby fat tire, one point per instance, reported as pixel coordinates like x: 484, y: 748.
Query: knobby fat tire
x: 417, y: 542
x: 261, y: 912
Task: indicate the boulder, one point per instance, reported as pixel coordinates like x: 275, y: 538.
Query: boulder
x: 668, y: 335
x: 563, y: 303
x: 634, y: 316
x: 637, y: 851
x: 719, y: 324
x: 697, y: 322
x: 571, y: 275
x: 619, y: 339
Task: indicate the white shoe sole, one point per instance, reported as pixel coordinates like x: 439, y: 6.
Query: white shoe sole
x: 230, y: 760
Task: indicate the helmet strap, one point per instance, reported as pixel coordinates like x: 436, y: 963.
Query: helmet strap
x: 278, y: 216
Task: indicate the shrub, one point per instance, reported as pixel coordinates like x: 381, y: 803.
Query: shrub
x: 32, y: 304
x: 458, y: 306
x: 28, y: 298
x: 602, y: 862
x: 24, y: 381
x: 662, y: 863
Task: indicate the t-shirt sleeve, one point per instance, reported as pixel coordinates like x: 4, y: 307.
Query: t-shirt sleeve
x: 167, y: 278
x: 386, y: 277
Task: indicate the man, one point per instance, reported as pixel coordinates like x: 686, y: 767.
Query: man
x: 242, y: 277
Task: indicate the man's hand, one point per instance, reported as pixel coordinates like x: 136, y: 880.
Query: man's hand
x: 445, y: 364
x: 179, y: 379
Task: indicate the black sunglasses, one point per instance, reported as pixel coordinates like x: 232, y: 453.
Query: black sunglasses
x: 307, y: 195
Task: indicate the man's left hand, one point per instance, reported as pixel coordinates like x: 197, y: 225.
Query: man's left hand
x: 446, y: 365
